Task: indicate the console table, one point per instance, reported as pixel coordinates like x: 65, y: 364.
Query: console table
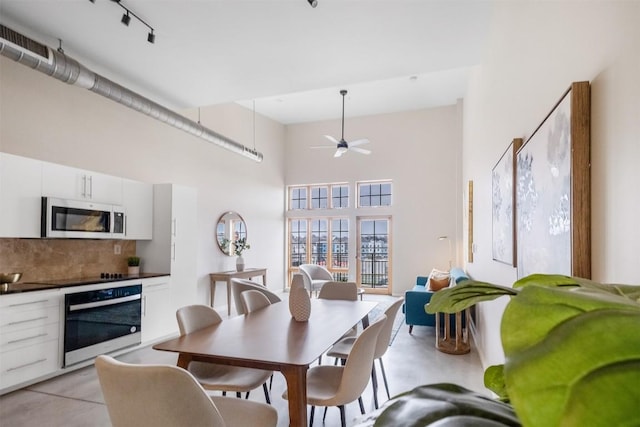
x: 226, y: 276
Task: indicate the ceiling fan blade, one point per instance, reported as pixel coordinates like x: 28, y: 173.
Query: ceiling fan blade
x: 358, y: 142
x: 339, y: 153
x: 332, y: 139
x: 323, y: 146
x: 360, y: 150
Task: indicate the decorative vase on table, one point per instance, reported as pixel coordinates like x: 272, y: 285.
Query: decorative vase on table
x: 239, y: 263
x: 299, y: 301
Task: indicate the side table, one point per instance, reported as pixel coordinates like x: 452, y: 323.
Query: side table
x: 226, y: 276
x: 452, y: 332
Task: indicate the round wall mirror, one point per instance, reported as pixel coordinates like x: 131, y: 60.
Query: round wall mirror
x: 230, y: 227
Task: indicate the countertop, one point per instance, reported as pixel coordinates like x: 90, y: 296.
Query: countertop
x: 19, y: 287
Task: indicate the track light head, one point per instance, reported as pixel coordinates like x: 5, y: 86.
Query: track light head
x: 313, y: 3
x: 151, y: 38
x: 126, y: 18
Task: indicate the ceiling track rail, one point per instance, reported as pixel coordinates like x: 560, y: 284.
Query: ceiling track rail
x: 55, y: 64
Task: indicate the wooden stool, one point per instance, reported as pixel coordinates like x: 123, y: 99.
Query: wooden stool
x: 454, y: 341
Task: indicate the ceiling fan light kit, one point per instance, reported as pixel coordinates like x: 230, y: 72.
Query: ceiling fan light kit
x: 343, y: 146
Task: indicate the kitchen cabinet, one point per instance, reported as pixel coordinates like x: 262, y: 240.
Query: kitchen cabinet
x: 173, y: 248
x: 71, y: 183
x: 20, y: 196
x: 158, y: 313
x: 29, y: 336
x: 137, y: 199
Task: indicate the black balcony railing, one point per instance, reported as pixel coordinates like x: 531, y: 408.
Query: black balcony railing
x: 374, y: 271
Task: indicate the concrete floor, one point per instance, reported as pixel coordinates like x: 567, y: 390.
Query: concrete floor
x: 75, y: 399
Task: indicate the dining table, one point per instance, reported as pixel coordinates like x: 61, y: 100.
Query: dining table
x: 271, y: 339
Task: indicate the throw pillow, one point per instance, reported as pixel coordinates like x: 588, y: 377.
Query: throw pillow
x: 438, y: 280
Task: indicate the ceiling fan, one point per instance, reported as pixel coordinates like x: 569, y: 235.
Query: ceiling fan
x: 342, y: 146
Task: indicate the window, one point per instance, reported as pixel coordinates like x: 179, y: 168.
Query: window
x: 319, y: 197
x: 372, y: 194
x: 298, y: 198
x: 297, y: 242
x: 339, y: 196
x: 319, y: 248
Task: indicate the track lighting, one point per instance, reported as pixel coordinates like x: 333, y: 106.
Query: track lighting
x: 313, y: 3
x: 126, y: 19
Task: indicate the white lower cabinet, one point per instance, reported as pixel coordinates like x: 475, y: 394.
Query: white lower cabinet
x: 158, y: 312
x: 29, y: 336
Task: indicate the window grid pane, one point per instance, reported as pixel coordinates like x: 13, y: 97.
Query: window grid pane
x: 374, y: 194
x: 340, y: 243
x: 298, y: 242
x: 298, y: 198
x: 339, y: 196
x: 319, y: 242
x: 319, y: 197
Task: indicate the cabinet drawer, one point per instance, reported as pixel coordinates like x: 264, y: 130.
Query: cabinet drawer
x: 29, y: 301
x: 27, y: 337
x: 28, y: 363
x: 11, y: 321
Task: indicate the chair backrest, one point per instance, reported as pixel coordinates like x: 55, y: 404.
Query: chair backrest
x: 194, y: 317
x: 357, y: 369
x: 339, y: 290
x: 253, y: 300
x: 154, y: 396
x: 316, y: 272
x: 240, y: 285
x: 385, y: 333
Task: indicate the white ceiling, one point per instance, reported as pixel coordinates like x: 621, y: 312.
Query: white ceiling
x: 291, y: 59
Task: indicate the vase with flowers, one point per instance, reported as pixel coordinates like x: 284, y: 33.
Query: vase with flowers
x: 239, y: 245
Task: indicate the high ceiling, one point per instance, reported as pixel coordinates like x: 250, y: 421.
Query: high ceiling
x: 287, y: 57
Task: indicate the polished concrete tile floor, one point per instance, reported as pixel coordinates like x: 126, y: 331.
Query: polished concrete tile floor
x: 75, y: 399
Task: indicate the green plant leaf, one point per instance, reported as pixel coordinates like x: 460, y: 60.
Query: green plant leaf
x: 442, y: 405
x: 494, y: 381
x: 541, y: 379
x: 464, y: 295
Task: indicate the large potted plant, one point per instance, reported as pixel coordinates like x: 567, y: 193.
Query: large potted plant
x: 572, y: 358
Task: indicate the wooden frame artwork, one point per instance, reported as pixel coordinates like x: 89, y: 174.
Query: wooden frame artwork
x: 503, y: 201
x: 553, y: 203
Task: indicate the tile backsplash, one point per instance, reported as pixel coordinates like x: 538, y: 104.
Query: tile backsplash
x: 52, y: 259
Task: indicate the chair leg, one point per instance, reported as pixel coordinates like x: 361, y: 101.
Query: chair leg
x: 238, y: 395
x: 266, y: 393
x: 410, y: 328
x: 374, y: 384
x: 361, y: 405
x: 313, y: 411
x: 270, y: 382
x: 324, y: 415
x: 342, y: 416
x: 384, y: 378
x: 224, y: 393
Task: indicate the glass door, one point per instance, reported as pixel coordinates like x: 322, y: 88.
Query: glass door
x: 374, y: 254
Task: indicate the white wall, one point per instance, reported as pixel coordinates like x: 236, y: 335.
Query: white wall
x: 535, y: 51
x: 45, y: 119
x: 419, y: 151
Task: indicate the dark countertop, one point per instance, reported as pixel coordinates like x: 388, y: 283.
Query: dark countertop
x: 20, y: 287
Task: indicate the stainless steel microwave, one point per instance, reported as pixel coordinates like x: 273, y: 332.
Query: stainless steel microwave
x: 79, y: 219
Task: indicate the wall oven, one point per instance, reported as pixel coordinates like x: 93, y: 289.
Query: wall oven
x: 80, y: 219
x: 101, y: 321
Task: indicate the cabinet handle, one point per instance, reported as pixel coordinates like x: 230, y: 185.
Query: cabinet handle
x: 90, y: 187
x: 28, y: 320
x: 27, y: 338
x: 84, y: 186
x: 15, y: 368
x: 27, y: 303
x: 147, y: 287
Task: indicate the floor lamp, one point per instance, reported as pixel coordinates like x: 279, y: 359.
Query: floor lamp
x: 449, y: 240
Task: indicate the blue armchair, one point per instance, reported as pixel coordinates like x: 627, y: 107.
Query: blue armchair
x: 416, y: 298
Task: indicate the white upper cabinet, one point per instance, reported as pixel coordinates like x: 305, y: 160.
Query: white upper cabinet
x: 71, y: 183
x: 20, y: 196
x: 137, y: 199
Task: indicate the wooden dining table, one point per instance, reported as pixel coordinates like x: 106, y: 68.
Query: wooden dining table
x: 271, y: 339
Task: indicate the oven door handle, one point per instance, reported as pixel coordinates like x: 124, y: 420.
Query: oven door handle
x: 114, y: 301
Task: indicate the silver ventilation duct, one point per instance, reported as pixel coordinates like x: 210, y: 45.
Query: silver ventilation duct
x: 55, y: 64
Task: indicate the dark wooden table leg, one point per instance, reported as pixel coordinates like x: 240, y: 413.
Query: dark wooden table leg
x: 296, y: 377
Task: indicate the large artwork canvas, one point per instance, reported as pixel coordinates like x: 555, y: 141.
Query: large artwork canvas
x: 552, y: 191
x: 503, y: 205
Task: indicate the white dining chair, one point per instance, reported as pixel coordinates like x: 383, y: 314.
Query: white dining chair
x: 347, y: 291
x: 169, y: 396
x: 329, y: 385
x: 314, y: 277
x: 213, y: 376
x: 343, y: 348
x: 253, y: 300
x: 240, y: 285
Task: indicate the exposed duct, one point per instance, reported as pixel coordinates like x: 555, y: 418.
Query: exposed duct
x: 55, y: 64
